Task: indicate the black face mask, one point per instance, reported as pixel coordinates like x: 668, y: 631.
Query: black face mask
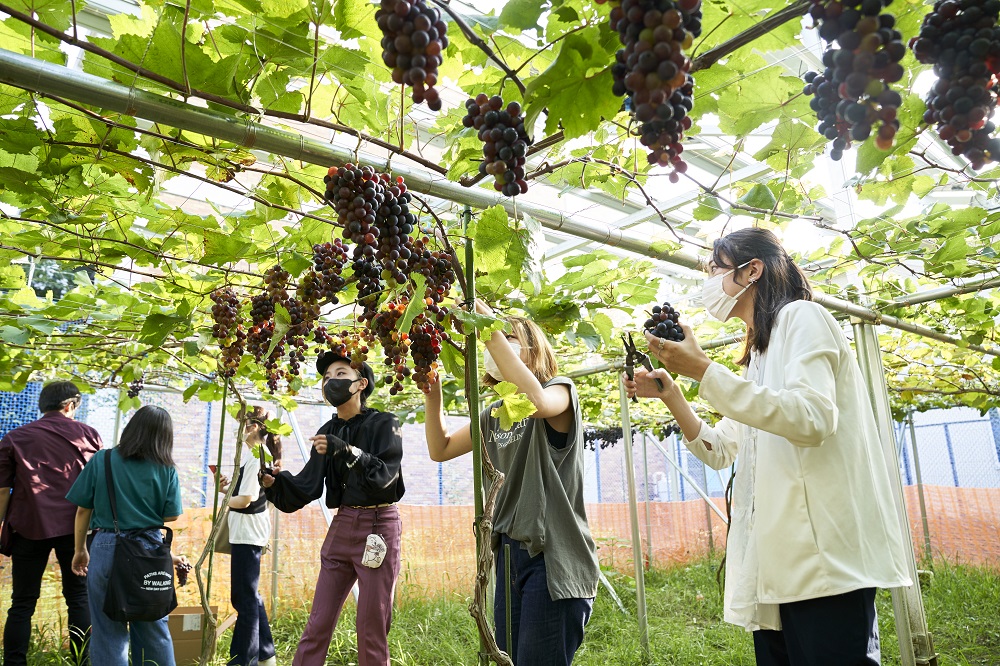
x: 338, y: 391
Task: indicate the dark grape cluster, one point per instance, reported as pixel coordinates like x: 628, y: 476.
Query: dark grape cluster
x: 325, y: 280
x: 258, y: 340
x: 652, y: 69
x: 437, y: 267
x: 276, y: 284
x: 662, y: 323
x: 183, y: 569
x: 261, y: 308
x: 394, y: 223
x: 135, y: 388
x: 602, y: 437
x: 505, y: 141
x: 852, y: 94
x: 227, y: 329
x: 426, y: 337
x: 414, y: 37
x: 961, y: 38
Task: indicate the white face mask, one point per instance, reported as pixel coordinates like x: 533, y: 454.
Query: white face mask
x: 714, y: 298
x: 492, y: 369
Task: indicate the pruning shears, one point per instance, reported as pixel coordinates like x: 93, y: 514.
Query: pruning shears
x: 633, y: 356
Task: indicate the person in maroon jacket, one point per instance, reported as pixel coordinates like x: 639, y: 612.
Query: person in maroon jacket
x: 38, y: 464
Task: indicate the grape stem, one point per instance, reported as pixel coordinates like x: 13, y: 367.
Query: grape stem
x: 776, y: 20
x: 476, y: 41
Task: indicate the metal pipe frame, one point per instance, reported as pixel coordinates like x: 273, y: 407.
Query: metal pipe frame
x: 47, y: 78
x: 633, y: 510
x: 687, y: 477
x: 915, y: 644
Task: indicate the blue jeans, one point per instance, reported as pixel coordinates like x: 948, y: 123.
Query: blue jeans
x: 252, y: 640
x: 544, y: 632
x: 110, y: 640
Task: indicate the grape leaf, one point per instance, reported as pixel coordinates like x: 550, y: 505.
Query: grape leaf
x: 514, y: 406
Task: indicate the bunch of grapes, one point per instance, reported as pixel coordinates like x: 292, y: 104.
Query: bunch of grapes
x: 135, y: 388
x: 652, y: 69
x: 436, y: 266
x: 302, y: 316
x: 395, y: 344
x: 668, y: 431
x: 183, y: 569
x: 663, y: 323
x: 426, y: 338
x: 261, y: 308
x: 505, y: 141
x: 961, y: 38
x: 276, y: 284
x: 258, y: 341
x: 852, y: 93
x: 394, y: 223
x: 414, y: 37
x: 324, y: 281
x: 227, y: 329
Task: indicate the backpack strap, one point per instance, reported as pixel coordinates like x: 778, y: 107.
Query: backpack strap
x: 109, y: 477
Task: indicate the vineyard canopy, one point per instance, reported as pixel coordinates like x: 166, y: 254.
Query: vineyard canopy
x: 160, y: 216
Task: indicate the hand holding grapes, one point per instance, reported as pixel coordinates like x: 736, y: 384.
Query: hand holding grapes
x: 683, y: 358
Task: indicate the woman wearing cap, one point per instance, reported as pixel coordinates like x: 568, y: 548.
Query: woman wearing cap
x: 356, y: 456
x: 540, y: 520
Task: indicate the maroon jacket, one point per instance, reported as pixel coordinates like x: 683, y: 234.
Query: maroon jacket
x: 41, y: 460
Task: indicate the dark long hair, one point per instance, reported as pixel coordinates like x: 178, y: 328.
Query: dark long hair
x: 149, y: 435
x: 782, y: 282
x: 260, y: 416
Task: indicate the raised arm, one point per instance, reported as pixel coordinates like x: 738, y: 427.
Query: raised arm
x: 442, y: 445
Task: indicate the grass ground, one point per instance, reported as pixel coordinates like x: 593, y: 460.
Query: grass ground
x: 685, y: 625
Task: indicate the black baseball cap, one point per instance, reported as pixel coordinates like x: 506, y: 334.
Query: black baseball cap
x: 329, y: 358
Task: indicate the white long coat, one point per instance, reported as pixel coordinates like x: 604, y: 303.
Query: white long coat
x: 823, y: 515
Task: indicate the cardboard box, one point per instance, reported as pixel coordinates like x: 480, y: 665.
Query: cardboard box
x: 185, y: 630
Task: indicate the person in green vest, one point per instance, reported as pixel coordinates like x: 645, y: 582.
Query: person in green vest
x: 540, y: 521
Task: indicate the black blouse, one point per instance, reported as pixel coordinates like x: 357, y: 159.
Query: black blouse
x: 376, y: 477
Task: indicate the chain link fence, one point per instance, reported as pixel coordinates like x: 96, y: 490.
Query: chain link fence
x: 680, y: 502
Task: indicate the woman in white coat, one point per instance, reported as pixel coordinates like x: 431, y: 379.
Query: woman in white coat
x: 814, y: 528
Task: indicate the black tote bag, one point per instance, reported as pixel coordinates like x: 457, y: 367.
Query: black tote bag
x: 141, y: 585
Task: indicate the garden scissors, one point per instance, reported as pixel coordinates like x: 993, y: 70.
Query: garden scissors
x: 633, y: 356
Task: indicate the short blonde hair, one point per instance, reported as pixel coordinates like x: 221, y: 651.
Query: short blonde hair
x: 541, y: 357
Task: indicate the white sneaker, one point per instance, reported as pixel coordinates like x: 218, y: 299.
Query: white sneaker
x: 273, y: 661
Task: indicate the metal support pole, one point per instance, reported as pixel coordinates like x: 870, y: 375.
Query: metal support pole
x: 275, y: 560
x: 304, y: 450
x: 697, y: 488
x: 472, y: 396
x: 915, y: 643
x: 118, y: 419
x: 645, y: 486
x: 920, y: 491
x: 640, y: 579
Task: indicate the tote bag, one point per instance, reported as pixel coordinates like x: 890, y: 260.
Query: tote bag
x: 141, y: 585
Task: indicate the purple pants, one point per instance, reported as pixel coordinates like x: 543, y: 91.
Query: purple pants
x: 340, y: 568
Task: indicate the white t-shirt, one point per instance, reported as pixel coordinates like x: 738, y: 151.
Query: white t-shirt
x: 249, y: 528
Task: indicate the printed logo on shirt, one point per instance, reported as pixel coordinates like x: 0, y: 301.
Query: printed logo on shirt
x: 504, y: 437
